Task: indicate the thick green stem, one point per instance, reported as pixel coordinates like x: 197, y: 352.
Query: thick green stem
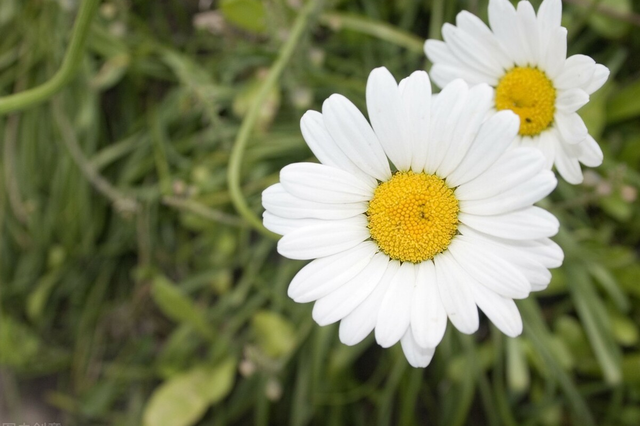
x: 237, y: 153
x: 72, y: 59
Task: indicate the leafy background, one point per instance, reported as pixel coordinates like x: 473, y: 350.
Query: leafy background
x: 132, y: 292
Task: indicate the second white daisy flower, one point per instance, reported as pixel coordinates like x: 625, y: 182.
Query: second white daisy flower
x: 524, y: 56
x: 399, y: 251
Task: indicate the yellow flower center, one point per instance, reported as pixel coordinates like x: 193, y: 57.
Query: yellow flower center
x: 413, y: 216
x: 529, y: 93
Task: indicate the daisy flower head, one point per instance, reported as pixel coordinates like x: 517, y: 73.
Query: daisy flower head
x: 524, y: 57
x: 448, y: 228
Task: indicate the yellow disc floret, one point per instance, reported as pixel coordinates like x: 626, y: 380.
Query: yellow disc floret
x: 529, y: 93
x: 413, y: 216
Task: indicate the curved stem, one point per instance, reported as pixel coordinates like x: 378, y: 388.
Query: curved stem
x: 237, y: 153
x: 73, y: 56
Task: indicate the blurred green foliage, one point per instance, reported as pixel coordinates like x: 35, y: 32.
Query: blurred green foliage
x: 133, y: 293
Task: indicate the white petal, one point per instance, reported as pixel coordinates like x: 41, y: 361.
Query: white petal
x: 554, y: 55
x: 355, y: 137
x: 547, y: 142
x: 528, y: 31
x: 504, y: 23
x: 536, y: 273
x: 589, y: 152
x: 455, y: 292
x: 439, y: 53
x: 316, y: 241
x: 516, y: 198
x: 571, y: 100
x: 600, y: 76
x: 502, y: 311
x: 443, y: 74
x: 571, y: 127
x: 489, y: 269
x: 362, y: 320
x: 324, y: 184
x: 528, y: 223
x: 567, y: 164
x: 342, y: 301
x: 388, y: 117
x: 577, y: 71
x: 322, y: 276
x: 472, y: 52
x: 428, y: 317
x: 417, y: 356
x: 493, y: 139
x: 542, y: 250
x: 278, y: 201
x: 394, y: 315
x: 474, y: 111
x: 444, y: 118
x: 549, y: 15
x: 416, y: 97
x: 514, y: 167
x: 283, y: 225
x: 324, y: 147
x: 477, y: 29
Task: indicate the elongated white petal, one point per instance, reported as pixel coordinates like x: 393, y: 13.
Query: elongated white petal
x: 493, y: 139
x: 571, y: 127
x: 474, y: 111
x: 504, y: 23
x: 578, y: 71
x: 514, y: 167
x: 571, y: 100
x: 528, y: 32
x: 417, y: 356
x: 323, y: 240
x: 549, y: 17
x: 501, y: 310
x: 445, y: 115
x: 516, y: 198
x: 536, y: 273
x: 415, y: 91
x: 355, y: 137
x: 528, y: 223
x: 600, y: 76
x: 455, y: 292
x: 278, y: 201
x: 474, y: 27
x: 324, y: 184
x: 589, y: 152
x: 324, y: 147
x: 472, y: 52
x: 388, y: 118
x: 438, y: 52
x: 395, y: 311
x: 362, y: 320
x: 489, y: 269
x: 322, y: 276
x: 567, y: 164
x: 428, y: 317
x: 547, y: 142
x: 284, y: 225
x: 342, y: 301
x: 553, y: 57
x: 442, y: 74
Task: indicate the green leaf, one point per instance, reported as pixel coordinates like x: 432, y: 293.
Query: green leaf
x: 183, y: 400
x: 178, y: 306
x: 247, y: 14
x: 275, y: 334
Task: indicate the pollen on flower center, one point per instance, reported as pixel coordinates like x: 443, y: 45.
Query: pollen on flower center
x: 529, y: 93
x: 413, y: 216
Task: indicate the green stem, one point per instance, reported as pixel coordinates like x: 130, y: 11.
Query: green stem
x: 39, y: 94
x: 237, y: 153
x: 381, y: 30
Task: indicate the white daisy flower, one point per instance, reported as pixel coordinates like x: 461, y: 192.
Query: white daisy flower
x: 452, y: 228
x: 524, y: 56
